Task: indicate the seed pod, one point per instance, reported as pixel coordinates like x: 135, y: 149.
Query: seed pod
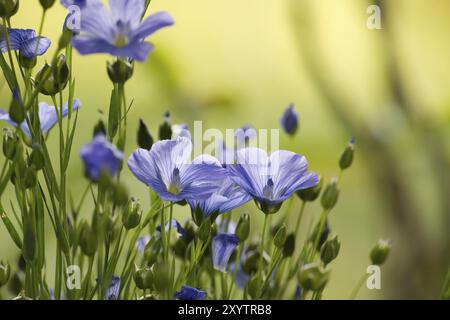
x: 165, y: 129
x: 289, y: 245
x: 61, y: 72
x: 330, y: 250
x: 10, y: 141
x: 47, y: 4
x: 312, y: 277
x: 8, y: 8
x: 16, y: 108
x: 36, y: 158
x: 330, y: 195
x: 143, y: 277
x: 29, y: 177
x: 88, y: 240
x: 144, y: 138
x: 380, y: 252
x: 346, y: 158
x: 132, y: 215
x: 120, y: 71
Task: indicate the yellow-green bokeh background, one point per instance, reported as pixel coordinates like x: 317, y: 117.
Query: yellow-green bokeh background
x: 232, y: 62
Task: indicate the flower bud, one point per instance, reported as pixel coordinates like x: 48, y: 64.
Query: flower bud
x: 289, y: 245
x: 120, y: 71
x: 45, y: 82
x: 99, y: 128
x: 8, y: 8
x: 165, y: 129
x: 243, y: 227
x: 10, y: 141
x: 47, y: 4
x: 346, y: 159
x: 61, y: 72
x: 144, y: 138
x: 312, y: 277
x: 132, y: 215
x: 380, y: 252
x: 143, y: 277
x: 88, y: 240
x: 27, y: 63
x: 29, y: 177
x: 36, y: 158
x: 280, y: 237
x: 17, y: 109
x: 330, y: 195
x: 4, y: 273
x: 311, y: 194
x: 250, y: 264
x: 330, y: 250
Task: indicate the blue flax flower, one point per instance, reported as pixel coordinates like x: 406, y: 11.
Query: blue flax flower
x: 176, y: 226
x: 244, y: 135
x: 119, y: 30
x: 114, y: 288
x: 228, y: 197
x: 26, y: 42
x: 81, y: 3
x: 190, y: 293
x: 100, y: 156
x: 223, y: 246
x: 166, y: 170
x: 48, y: 116
x: 271, y: 179
x: 289, y: 120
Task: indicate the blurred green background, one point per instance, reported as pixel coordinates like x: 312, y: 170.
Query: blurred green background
x: 234, y: 62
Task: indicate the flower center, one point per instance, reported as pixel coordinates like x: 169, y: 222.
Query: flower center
x: 122, y: 33
x: 175, y: 182
x: 268, y: 189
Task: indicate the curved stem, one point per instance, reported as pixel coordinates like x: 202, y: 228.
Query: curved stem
x: 358, y: 286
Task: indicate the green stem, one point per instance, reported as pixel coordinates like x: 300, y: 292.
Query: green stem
x: 262, y: 242
x: 358, y: 286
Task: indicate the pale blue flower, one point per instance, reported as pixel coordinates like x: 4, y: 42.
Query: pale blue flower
x: 26, y: 42
x: 190, y: 293
x: 223, y: 246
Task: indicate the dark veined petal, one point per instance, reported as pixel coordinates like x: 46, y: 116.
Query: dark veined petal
x: 114, y: 288
x: 152, y: 24
x: 190, y: 293
x: 48, y: 114
x: 127, y: 11
x: 210, y: 205
x: 16, y: 38
x: 30, y: 48
x: 100, y: 155
x: 223, y: 246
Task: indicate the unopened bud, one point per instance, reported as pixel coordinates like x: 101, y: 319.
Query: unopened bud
x: 120, y: 71
x: 8, y: 8
x: 47, y: 4
x: 165, y: 129
x: 380, y: 252
x: 143, y: 278
x: 330, y: 195
x: 36, y: 158
x: 330, y: 250
x: 132, y: 215
x: 312, y: 277
x: 17, y: 109
x: 29, y: 177
x: 10, y: 141
x: 88, y: 240
x: 346, y: 159
x: 99, y: 128
x: 289, y: 245
x: 144, y: 138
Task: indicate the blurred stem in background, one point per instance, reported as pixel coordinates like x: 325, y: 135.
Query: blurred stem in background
x: 427, y: 256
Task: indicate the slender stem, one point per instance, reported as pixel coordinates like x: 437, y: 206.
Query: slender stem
x: 236, y: 264
x: 358, y: 286
x: 8, y: 44
x: 299, y: 218
x: 323, y: 218
x: 262, y: 242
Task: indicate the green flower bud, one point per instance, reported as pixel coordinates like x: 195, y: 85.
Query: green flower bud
x: 132, y: 215
x: 243, y: 227
x: 143, y: 277
x: 36, y: 158
x: 47, y: 4
x: 144, y: 138
x: 204, y: 231
x: 99, y: 128
x: 330, y: 195
x: 380, y: 252
x: 8, y: 8
x: 280, y: 237
x: 165, y: 129
x: 10, y: 141
x: 120, y: 71
x: 311, y: 194
x: 45, y: 82
x: 312, y: 277
x: 346, y: 159
x: 88, y: 240
x: 17, y: 109
x: 61, y: 72
x: 289, y: 245
x: 330, y: 250
x: 4, y: 273
x: 27, y: 63
x: 29, y: 178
